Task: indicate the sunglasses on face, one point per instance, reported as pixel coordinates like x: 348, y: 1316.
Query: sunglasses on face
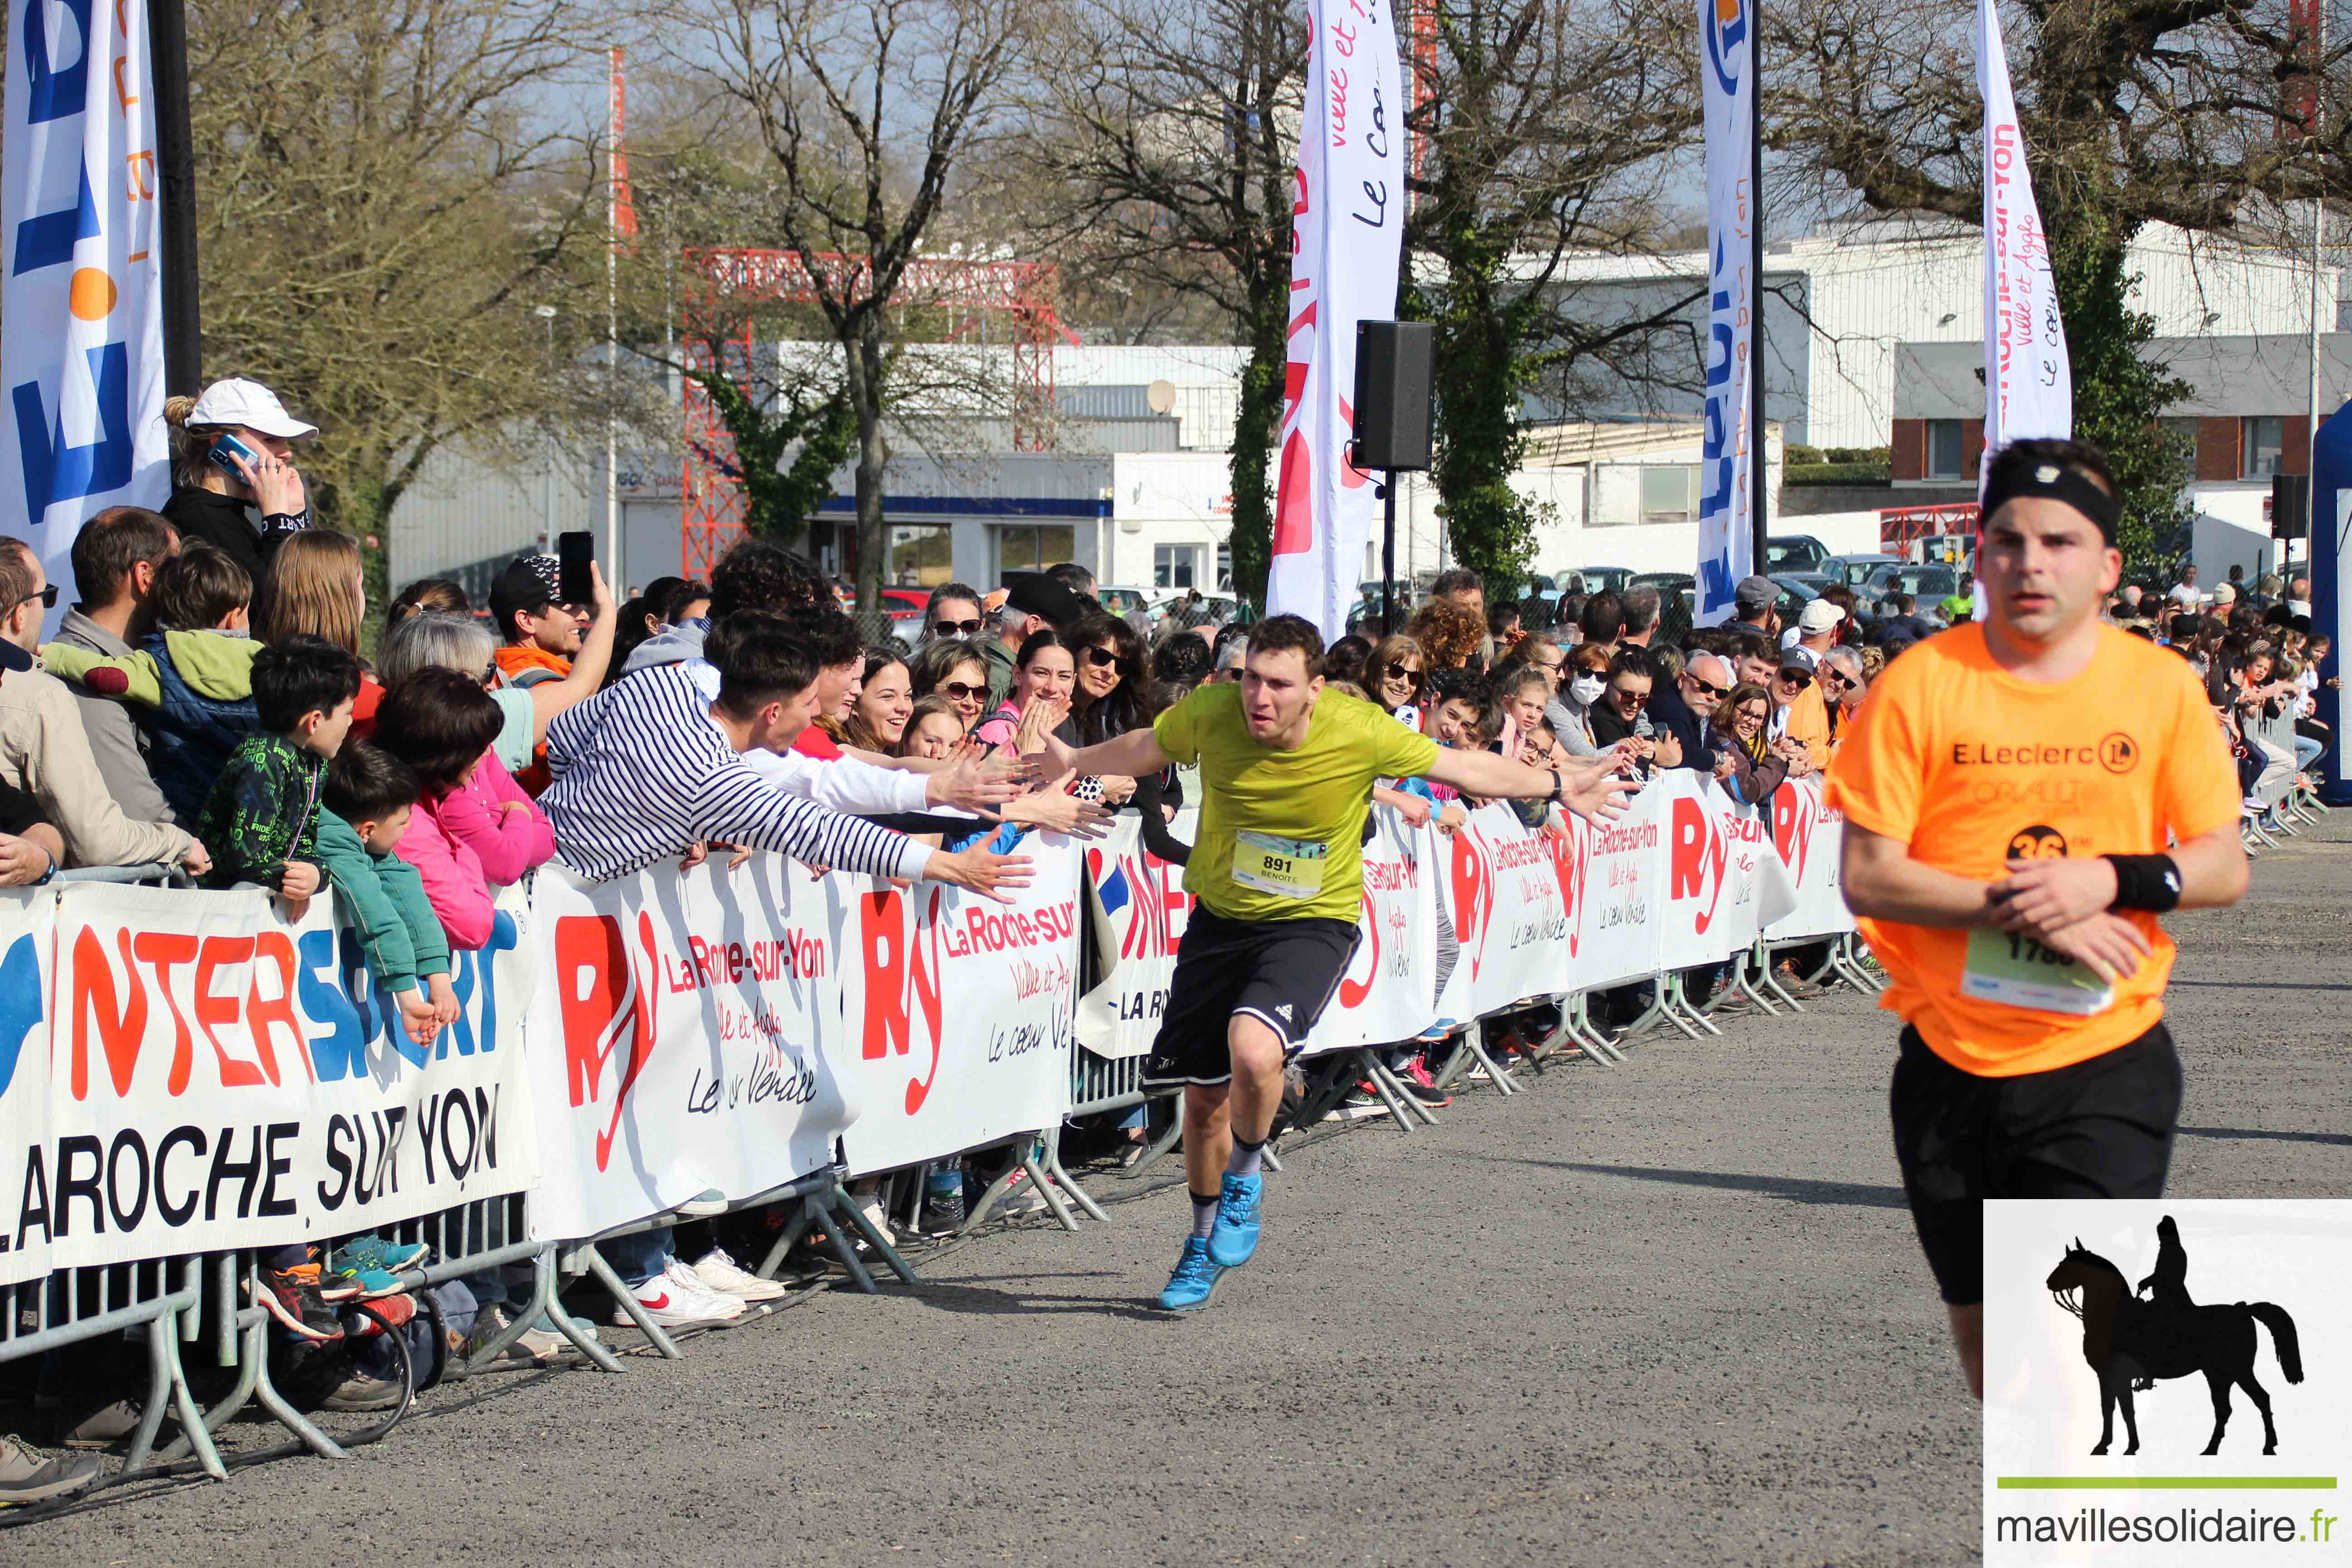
x: 1800, y: 679
x: 1400, y: 672
x: 955, y: 628
x: 48, y: 597
x: 1829, y: 675
x: 957, y: 691
x: 1099, y: 657
x: 1629, y: 698
x: 1709, y: 686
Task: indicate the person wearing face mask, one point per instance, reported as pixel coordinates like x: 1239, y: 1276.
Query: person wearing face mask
x: 1570, y: 712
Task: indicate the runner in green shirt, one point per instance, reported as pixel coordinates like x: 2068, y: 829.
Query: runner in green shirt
x: 1277, y: 871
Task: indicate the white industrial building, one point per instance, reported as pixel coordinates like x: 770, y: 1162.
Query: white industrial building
x: 1138, y: 488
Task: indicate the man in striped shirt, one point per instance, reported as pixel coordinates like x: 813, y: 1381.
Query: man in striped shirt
x: 651, y: 769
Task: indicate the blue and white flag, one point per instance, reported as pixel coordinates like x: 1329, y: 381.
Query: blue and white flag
x: 1727, y: 550
x: 82, y: 309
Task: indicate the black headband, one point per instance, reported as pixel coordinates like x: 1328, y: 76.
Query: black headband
x: 2059, y: 483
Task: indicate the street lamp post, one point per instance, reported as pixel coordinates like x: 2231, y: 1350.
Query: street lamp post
x: 547, y: 517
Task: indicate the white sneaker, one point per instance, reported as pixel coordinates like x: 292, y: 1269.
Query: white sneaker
x: 672, y: 1303
x: 703, y: 1204
x: 723, y: 1276
x: 876, y: 1215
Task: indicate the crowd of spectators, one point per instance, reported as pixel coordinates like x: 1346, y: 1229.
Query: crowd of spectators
x: 207, y: 705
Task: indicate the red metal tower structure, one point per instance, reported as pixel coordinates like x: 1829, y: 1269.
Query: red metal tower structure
x: 968, y: 292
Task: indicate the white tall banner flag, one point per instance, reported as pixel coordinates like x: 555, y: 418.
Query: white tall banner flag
x: 1347, y: 238
x: 1727, y: 544
x: 82, y: 309
x: 2029, y: 385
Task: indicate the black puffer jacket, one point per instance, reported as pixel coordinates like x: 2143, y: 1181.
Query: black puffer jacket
x: 227, y: 523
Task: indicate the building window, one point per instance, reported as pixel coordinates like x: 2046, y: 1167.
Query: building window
x: 1224, y: 568
x: 1172, y: 565
x: 2261, y: 441
x: 1669, y: 494
x: 1033, y: 547
x: 1944, y: 449
x: 920, y: 556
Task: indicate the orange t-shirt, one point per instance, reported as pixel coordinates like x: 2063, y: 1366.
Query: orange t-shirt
x: 1971, y: 766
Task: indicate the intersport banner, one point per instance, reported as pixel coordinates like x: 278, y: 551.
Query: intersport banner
x: 218, y: 1077
x: 688, y: 1036
x: 81, y: 317
x: 1346, y: 240
x: 961, y: 1011
x: 1389, y: 992
x: 1807, y: 836
x: 1727, y: 89
x: 2028, y: 383
x: 27, y: 929
x: 1136, y: 912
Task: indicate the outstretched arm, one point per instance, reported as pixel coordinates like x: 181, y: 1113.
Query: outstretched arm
x: 1590, y: 791
x: 1135, y: 753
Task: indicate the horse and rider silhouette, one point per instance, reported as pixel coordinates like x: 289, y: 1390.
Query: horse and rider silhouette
x: 2130, y: 1343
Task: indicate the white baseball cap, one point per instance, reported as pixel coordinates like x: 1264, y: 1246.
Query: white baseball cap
x: 1819, y: 616
x: 249, y: 403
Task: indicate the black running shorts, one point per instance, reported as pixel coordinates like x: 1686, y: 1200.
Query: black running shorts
x: 2101, y: 1128
x: 1282, y: 972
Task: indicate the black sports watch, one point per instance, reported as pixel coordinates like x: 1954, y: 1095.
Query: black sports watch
x: 1558, y: 784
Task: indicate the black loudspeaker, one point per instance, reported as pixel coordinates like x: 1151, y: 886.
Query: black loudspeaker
x: 2290, y: 505
x: 1393, y: 403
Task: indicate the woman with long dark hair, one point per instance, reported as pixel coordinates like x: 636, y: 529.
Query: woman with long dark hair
x: 1111, y: 697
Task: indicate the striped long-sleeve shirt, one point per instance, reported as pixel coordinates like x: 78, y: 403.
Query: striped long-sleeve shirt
x: 641, y: 772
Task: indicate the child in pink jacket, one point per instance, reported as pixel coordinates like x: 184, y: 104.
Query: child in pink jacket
x: 474, y: 830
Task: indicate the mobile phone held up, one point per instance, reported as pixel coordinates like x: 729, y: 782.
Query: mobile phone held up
x: 574, y: 554
x: 225, y: 451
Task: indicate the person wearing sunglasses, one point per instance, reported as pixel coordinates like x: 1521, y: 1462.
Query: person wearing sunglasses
x: 1395, y: 674
x: 1679, y: 711
x: 1745, y: 763
x: 1843, y: 686
x: 1110, y: 698
x: 952, y: 668
x: 953, y: 612
x: 1800, y: 725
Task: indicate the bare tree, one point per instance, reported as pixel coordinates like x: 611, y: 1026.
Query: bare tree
x: 866, y: 108
x: 1169, y: 136
x: 1541, y: 130
x: 381, y: 206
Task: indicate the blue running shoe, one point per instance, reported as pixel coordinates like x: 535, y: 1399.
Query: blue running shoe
x: 371, y: 1251
x: 1234, y: 1236
x: 1195, y: 1276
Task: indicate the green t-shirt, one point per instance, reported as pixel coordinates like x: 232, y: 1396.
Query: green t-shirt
x: 1959, y: 608
x: 1281, y: 834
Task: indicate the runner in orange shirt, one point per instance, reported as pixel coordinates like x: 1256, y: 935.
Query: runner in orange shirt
x: 2023, y: 795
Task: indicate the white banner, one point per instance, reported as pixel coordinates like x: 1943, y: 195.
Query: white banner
x: 1619, y: 885
x: 2029, y: 384
x: 81, y: 333
x: 1347, y: 238
x: 1727, y: 550
x: 688, y: 1036
x: 1136, y: 912
x: 1709, y: 912
x: 962, y: 1012
x: 1507, y: 890
x: 1807, y: 838
x: 1389, y: 990
x: 27, y: 938
x: 218, y: 1077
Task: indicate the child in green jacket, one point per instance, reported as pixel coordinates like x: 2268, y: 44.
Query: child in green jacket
x: 368, y: 797
x: 262, y: 815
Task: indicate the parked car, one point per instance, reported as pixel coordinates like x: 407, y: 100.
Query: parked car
x: 1794, y: 553
x: 1951, y: 549
x: 1593, y: 580
x: 1123, y: 601
x: 1928, y: 585
x: 1798, y: 589
x: 1853, y: 571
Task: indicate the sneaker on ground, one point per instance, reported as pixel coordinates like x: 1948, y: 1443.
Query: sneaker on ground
x: 703, y: 1204
x: 1423, y: 1083
x: 1195, y: 1278
x: 360, y: 1282
x: 383, y: 1313
x: 723, y: 1276
x: 536, y: 1344
x: 1021, y: 1198
x: 105, y: 1426
x: 291, y: 1296
x: 1233, y: 1237
x: 361, y: 1392
x: 676, y: 1297
x: 27, y: 1475
x: 1362, y: 1095
x: 876, y: 1215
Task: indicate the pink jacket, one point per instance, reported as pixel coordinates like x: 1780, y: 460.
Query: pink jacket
x: 463, y: 842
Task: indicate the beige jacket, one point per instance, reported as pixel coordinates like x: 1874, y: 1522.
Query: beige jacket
x: 44, y: 749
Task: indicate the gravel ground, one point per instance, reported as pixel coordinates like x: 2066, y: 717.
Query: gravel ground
x: 1671, y: 1312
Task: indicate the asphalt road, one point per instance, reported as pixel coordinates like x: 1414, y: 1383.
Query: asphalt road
x: 1668, y: 1314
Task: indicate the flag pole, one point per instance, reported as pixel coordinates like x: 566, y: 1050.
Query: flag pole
x: 1759, y: 470
x: 613, y: 168
x: 175, y: 167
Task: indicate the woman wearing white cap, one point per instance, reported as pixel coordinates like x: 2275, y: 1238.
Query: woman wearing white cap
x: 234, y: 483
